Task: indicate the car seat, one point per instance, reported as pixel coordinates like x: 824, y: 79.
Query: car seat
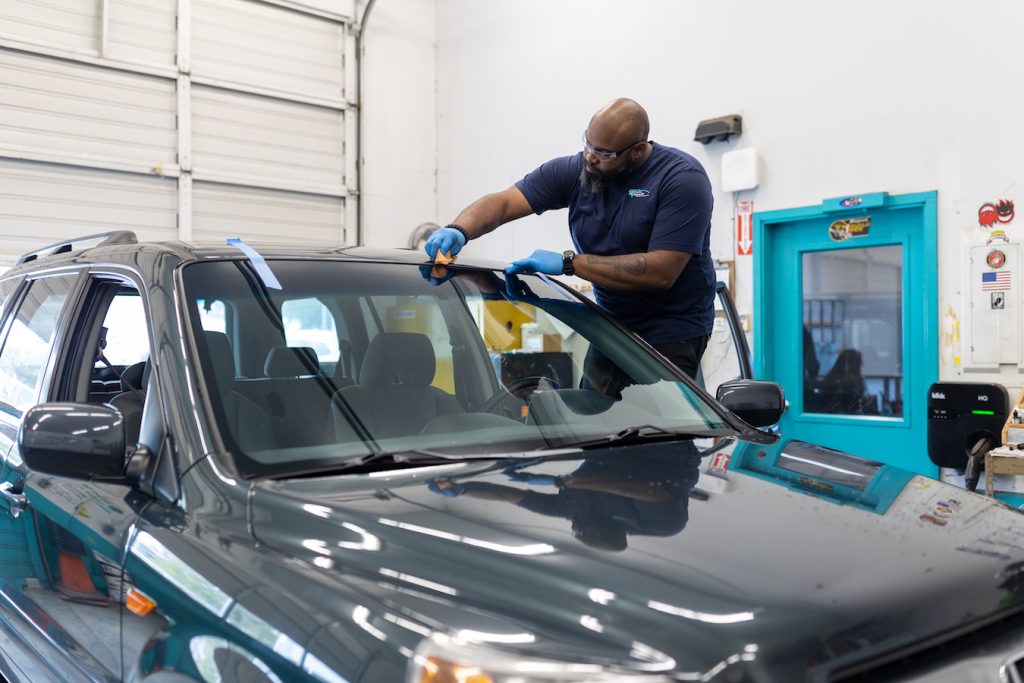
x: 394, y: 396
x: 245, y: 420
x: 132, y: 399
x: 297, y: 396
x: 291, y: 361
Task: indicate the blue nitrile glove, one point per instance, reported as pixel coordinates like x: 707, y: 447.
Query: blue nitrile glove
x: 446, y: 488
x: 540, y: 261
x: 535, y: 479
x: 445, y: 240
x: 516, y: 289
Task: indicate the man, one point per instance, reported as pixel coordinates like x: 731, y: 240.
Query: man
x: 640, y: 218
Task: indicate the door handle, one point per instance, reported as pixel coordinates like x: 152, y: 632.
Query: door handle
x: 15, y: 499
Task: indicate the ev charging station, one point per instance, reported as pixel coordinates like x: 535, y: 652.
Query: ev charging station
x: 965, y: 421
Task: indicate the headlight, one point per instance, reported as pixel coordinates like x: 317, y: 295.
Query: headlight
x: 446, y: 660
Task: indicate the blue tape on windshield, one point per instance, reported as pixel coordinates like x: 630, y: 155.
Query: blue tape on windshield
x: 258, y: 262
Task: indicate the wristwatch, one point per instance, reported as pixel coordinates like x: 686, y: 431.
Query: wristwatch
x: 567, y: 266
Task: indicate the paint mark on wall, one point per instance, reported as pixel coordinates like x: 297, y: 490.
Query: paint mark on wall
x: 949, y: 338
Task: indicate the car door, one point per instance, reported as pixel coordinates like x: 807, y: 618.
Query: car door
x: 11, y: 290
x: 42, y: 648
x: 727, y: 356
x: 78, y: 529
x: 15, y: 565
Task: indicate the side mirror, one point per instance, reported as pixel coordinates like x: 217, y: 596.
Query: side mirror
x: 759, y: 404
x: 77, y: 440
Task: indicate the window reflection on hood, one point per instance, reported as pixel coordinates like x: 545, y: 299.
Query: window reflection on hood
x: 608, y: 498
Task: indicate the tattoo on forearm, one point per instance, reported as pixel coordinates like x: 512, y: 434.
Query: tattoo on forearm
x: 632, y: 264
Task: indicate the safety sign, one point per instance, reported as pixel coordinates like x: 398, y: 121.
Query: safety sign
x: 744, y: 228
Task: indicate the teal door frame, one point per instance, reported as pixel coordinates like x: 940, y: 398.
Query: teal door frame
x: 920, y: 308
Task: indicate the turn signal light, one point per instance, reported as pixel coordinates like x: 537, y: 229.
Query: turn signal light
x: 437, y: 670
x: 138, y: 602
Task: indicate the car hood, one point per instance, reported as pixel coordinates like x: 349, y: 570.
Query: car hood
x: 657, y: 556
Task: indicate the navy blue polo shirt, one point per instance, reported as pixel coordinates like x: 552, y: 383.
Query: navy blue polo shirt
x: 663, y: 205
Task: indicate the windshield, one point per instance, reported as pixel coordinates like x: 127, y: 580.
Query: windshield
x: 347, y: 360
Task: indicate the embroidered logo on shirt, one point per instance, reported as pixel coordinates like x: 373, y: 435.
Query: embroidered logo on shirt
x: 639, y: 194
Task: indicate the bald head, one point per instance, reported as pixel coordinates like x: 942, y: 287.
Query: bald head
x: 615, y: 144
x: 621, y: 122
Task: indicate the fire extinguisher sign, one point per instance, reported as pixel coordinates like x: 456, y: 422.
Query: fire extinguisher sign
x: 744, y: 228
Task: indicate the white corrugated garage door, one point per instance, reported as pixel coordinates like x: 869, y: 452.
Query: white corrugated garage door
x: 223, y: 211
x: 52, y: 108
x: 233, y: 124
x: 45, y: 203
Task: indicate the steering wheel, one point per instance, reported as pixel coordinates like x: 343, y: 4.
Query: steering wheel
x: 520, y: 389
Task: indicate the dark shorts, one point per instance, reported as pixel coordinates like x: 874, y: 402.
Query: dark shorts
x: 602, y: 375
x: 686, y: 354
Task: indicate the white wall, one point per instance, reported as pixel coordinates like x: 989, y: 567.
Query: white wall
x: 463, y: 97
x: 399, y: 119
x: 838, y: 97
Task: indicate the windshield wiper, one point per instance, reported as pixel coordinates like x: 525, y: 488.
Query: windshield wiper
x: 643, y: 433
x: 369, y: 461
x: 381, y: 460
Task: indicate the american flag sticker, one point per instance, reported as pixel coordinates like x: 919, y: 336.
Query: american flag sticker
x: 995, y: 281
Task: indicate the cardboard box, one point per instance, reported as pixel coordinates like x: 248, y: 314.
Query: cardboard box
x: 551, y: 342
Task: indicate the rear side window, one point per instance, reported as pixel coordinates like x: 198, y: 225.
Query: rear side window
x: 127, y: 337
x: 213, y: 315
x: 309, y: 323
x: 7, y: 287
x: 27, y: 347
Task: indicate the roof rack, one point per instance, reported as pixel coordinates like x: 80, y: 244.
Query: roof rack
x: 106, y: 239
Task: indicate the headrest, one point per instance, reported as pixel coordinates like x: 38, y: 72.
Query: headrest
x: 291, y: 361
x: 135, y: 377
x: 222, y: 358
x: 341, y: 378
x: 404, y: 357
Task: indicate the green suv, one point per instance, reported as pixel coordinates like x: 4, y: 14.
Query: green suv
x: 235, y: 463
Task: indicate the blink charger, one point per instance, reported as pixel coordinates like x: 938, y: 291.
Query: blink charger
x: 964, y: 417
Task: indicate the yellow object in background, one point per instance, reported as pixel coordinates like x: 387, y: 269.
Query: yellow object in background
x: 444, y: 375
x: 497, y: 337
x: 502, y: 327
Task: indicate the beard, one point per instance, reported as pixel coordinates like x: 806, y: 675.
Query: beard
x: 595, y: 183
